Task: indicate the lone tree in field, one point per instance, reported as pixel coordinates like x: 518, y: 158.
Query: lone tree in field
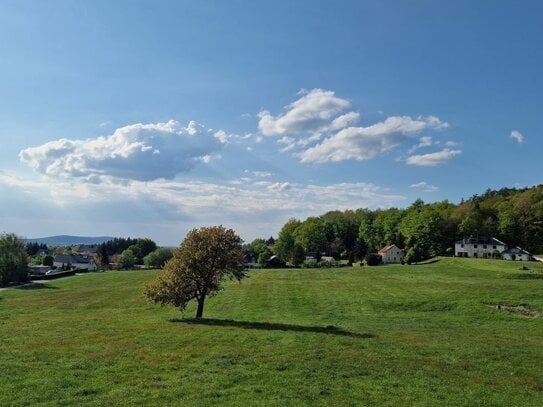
x: 197, y: 268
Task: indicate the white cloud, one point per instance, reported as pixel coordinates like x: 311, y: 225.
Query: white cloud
x: 424, y: 187
x: 138, y: 151
x: 259, y: 174
x: 517, y: 135
x: 315, y: 111
x: 279, y: 186
x: 242, y: 204
x: 433, y: 159
x: 317, y: 128
x: 363, y: 143
x: 425, y: 141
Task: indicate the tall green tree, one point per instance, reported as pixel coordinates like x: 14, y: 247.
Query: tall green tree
x: 284, y: 246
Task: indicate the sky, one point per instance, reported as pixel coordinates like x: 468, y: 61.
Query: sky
x: 150, y: 118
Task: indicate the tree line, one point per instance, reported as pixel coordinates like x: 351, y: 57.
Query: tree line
x: 424, y: 229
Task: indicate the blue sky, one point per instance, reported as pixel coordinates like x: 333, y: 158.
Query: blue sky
x: 140, y: 118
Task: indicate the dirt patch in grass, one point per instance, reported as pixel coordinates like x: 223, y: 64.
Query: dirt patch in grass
x: 527, y: 276
x: 519, y: 309
x: 417, y: 306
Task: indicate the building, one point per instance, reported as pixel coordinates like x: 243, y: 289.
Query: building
x: 391, y: 254
x: 516, y: 253
x: 39, y: 270
x: 479, y: 247
x: 489, y: 248
x: 74, y: 261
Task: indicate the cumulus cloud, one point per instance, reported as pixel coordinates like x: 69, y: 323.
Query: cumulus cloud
x: 363, y: 143
x: 319, y: 128
x: 425, y: 141
x: 424, y: 187
x: 242, y: 205
x: 315, y: 111
x: 432, y: 159
x: 138, y: 151
x: 518, y: 136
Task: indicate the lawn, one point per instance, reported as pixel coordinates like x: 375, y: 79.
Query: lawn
x: 422, y: 335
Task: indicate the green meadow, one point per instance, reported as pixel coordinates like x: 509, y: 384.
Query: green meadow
x: 423, y: 335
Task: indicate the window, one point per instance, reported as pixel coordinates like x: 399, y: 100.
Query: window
x: 462, y: 245
x: 484, y: 246
x: 494, y: 247
x: 475, y: 246
x: 474, y: 254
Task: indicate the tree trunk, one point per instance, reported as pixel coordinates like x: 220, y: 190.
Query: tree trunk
x: 200, y: 310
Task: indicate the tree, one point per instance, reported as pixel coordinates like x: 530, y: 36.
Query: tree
x: 13, y: 259
x: 48, y: 261
x: 158, y: 258
x: 199, y: 265
x: 127, y: 259
x: 143, y: 248
x: 264, y: 257
x: 284, y: 245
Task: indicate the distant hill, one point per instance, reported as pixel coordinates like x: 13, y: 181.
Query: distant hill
x: 66, y: 240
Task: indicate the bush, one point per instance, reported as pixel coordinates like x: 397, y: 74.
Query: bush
x: 310, y: 264
x: 158, y: 258
x: 13, y: 260
x: 373, y: 259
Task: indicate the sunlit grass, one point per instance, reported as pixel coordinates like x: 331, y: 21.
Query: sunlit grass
x: 392, y: 335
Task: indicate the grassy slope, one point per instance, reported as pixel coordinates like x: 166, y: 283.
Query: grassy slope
x: 428, y: 336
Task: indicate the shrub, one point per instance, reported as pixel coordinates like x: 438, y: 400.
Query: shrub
x: 13, y: 259
x: 373, y: 259
x: 310, y: 264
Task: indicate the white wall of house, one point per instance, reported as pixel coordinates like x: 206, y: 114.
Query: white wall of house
x: 393, y: 255
x: 518, y: 257
x: 482, y: 251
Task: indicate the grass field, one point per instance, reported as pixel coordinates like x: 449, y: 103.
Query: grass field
x: 385, y: 336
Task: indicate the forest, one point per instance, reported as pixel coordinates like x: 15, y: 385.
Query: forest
x: 425, y: 230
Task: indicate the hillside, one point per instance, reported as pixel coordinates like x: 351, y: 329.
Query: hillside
x: 385, y: 336
x: 67, y: 240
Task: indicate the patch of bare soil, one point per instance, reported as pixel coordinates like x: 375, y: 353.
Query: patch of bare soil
x: 519, y: 309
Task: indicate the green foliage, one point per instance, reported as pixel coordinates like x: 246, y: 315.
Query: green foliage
x: 13, y: 259
x: 512, y: 215
x: 48, y: 261
x: 284, y: 246
x: 198, y: 267
x: 309, y: 263
x: 127, y: 259
x: 158, y: 258
x: 312, y: 235
x: 264, y: 256
x: 373, y: 259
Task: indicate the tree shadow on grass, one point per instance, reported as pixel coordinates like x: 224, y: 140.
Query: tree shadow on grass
x: 271, y: 326
x: 36, y: 286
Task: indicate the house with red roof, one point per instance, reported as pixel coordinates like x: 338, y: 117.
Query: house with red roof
x: 391, y: 254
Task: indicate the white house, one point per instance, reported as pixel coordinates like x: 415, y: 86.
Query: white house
x: 481, y: 247
x: 391, y: 254
x: 489, y: 248
x: 516, y: 253
x: 75, y: 261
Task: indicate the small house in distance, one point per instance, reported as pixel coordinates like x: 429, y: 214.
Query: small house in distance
x: 391, y: 254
